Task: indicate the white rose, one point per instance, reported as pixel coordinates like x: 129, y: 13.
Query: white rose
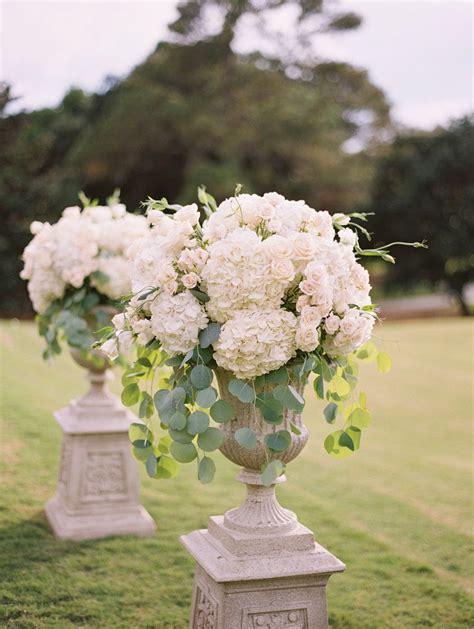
x: 118, y: 321
x: 110, y: 348
x: 190, y: 280
x: 340, y: 219
x: 331, y: 325
x: 278, y: 247
x: 188, y: 214
x: 347, y: 237
x: 303, y: 246
x: 309, y: 287
x: 283, y: 270
x: 125, y: 341
x: 310, y: 316
x: 307, y: 338
x: 302, y: 301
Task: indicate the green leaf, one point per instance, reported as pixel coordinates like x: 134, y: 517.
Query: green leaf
x: 330, y: 412
x: 166, y: 467
x: 272, y: 471
x: 271, y: 409
x: 130, y: 395
x: 206, y: 470
x: 183, y: 452
x: 241, y: 390
x: 168, y: 402
x: 384, y: 362
x: 142, y: 454
x: 178, y: 421
x: 289, y: 397
x: 354, y: 434
x: 200, y: 295
x: 206, y: 397
x: 201, y: 376
x: 198, y: 422
x: 279, y: 376
x: 346, y: 441
x: 359, y: 418
x: 144, y: 362
x: 246, y: 438
x: 340, y: 386
x: 211, y: 439
x: 146, y: 407
x: 150, y: 465
x: 209, y: 335
x: 278, y: 441
x: 334, y: 448
x: 180, y: 436
x: 318, y: 386
x: 222, y: 411
x: 295, y: 429
x: 137, y: 432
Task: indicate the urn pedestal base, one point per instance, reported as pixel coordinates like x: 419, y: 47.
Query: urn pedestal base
x: 98, y: 486
x: 265, y: 574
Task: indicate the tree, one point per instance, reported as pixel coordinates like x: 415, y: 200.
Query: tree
x: 424, y: 190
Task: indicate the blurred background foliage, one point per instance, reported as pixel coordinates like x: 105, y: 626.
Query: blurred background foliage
x: 196, y: 112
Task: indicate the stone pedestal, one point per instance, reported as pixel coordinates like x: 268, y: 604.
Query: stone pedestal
x: 98, y: 486
x: 258, y: 567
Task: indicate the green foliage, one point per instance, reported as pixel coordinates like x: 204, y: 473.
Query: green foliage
x: 241, y: 390
x: 246, y: 438
x: 423, y: 186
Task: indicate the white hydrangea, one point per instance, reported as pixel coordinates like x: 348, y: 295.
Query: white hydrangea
x: 241, y: 273
x: 74, y: 248
x: 254, y: 342
x: 354, y: 329
x: 176, y: 321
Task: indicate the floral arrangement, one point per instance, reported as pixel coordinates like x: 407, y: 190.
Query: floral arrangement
x: 265, y: 288
x: 76, y: 269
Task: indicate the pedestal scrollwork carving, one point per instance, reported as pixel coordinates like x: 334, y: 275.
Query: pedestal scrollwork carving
x: 205, y: 611
x: 290, y: 619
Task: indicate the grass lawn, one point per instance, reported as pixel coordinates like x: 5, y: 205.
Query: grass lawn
x: 398, y: 512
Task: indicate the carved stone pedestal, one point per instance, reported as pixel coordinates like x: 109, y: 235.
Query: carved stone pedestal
x: 98, y: 487
x: 258, y: 567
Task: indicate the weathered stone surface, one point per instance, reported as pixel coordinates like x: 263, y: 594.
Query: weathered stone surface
x: 98, y: 487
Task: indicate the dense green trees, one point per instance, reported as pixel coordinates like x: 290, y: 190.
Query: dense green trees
x: 195, y: 112
x: 424, y: 189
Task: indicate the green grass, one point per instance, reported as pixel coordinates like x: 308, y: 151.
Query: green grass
x: 398, y: 513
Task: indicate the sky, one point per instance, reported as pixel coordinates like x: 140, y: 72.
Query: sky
x: 420, y: 52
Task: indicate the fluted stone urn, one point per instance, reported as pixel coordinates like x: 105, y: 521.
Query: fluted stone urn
x: 257, y: 566
x: 98, y: 486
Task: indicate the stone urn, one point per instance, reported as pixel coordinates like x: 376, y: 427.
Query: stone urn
x: 98, y: 486
x: 258, y: 566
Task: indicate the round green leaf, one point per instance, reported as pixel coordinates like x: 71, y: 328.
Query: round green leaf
x: 246, y: 438
x: 209, y: 334
x: 138, y: 431
x: 150, y: 465
x: 183, y: 452
x: 178, y: 421
x: 330, y: 412
x: 131, y: 394
x: 340, y: 386
x: 201, y: 376
x: 289, y: 397
x: 210, y: 440
x: 206, y: 470
x: 279, y: 376
x: 206, y: 397
x: 181, y: 436
x: 166, y: 467
x: 359, y: 418
x: 241, y: 390
x: 384, y: 362
x: 222, y: 411
x: 271, y: 409
x: 168, y: 402
x: 142, y: 454
x: 278, y: 441
x: 271, y: 472
x: 198, y: 422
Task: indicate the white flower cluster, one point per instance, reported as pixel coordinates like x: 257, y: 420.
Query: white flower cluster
x: 79, y: 245
x: 278, y: 275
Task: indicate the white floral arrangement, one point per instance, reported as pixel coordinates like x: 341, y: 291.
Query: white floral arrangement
x: 266, y: 288
x: 77, y: 266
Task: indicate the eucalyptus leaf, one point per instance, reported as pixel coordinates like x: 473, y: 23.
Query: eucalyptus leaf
x: 271, y: 408
x: 278, y: 441
x: 330, y: 412
x: 272, y: 471
x: 222, y: 411
x: 198, y: 422
x: 206, y: 470
x: 246, y: 438
x: 209, y: 335
x: 241, y: 390
x: 279, y: 376
x: 183, y: 452
x: 178, y: 421
x: 130, y: 394
x: 210, y: 440
x: 206, y: 397
x: 384, y: 362
x: 201, y: 377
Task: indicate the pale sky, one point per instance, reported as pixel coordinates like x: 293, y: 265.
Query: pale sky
x: 419, y: 51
